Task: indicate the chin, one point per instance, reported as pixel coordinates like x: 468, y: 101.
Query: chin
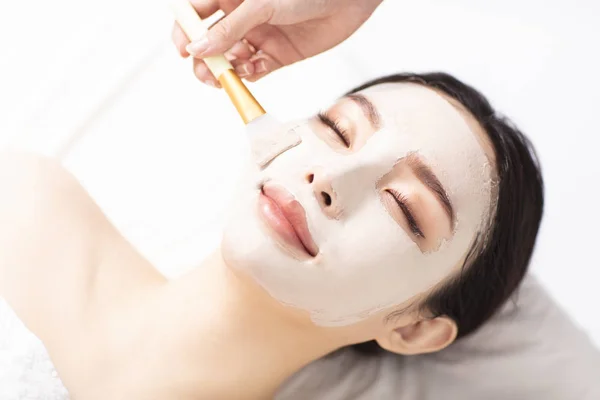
x: 241, y: 235
x: 233, y: 255
x: 243, y: 244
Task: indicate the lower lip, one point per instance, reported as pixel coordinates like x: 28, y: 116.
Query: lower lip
x: 280, y: 226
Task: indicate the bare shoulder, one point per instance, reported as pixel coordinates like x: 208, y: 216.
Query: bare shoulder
x: 67, y: 272
x: 32, y: 184
x: 39, y: 190
x: 50, y: 235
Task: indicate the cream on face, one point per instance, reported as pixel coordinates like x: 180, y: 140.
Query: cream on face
x: 383, y: 231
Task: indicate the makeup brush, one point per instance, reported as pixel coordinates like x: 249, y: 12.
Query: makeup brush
x: 267, y: 136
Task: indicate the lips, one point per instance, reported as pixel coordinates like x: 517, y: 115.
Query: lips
x: 286, y: 219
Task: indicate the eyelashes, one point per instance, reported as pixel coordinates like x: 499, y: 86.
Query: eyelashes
x: 336, y: 128
x: 404, y: 205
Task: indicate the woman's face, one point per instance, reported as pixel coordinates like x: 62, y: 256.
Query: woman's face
x: 378, y: 202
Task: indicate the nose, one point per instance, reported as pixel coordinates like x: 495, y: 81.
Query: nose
x: 323, y: 191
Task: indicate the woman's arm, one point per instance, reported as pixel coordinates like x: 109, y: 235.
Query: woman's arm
x: 50, y: 233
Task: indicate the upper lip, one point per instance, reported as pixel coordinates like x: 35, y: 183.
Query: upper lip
x: 294, y: 213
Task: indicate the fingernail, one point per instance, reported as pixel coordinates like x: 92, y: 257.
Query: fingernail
x: 198, y: 47
x: 242, y: 70
x: 261, y: 67
x: 209, y: 83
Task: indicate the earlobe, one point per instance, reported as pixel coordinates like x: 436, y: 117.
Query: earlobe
x: 424, y: 336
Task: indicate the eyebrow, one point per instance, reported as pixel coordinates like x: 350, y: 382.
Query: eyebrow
x: 428, y: 178
x: 421, y: 170
x: 368, y: 109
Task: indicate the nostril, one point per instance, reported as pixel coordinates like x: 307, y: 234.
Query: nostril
x: 326, y: 198
x: 310, y: 178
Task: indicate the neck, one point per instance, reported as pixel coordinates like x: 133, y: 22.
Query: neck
x: 246, y: 343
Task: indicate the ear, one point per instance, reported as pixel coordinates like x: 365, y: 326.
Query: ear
x: 423, y: 336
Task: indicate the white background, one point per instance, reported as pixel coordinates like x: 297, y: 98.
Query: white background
x: 99, y: 84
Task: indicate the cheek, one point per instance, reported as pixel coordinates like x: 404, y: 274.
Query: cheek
x: 367, y: 249
x: 374, y: 261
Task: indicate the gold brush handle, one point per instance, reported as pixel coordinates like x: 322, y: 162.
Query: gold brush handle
x: 246, y: 105
x: 244, y: 102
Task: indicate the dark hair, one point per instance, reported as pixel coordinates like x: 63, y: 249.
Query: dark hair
x: 498, y: 260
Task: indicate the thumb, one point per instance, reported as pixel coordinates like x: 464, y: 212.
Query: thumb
x: 229, y: 30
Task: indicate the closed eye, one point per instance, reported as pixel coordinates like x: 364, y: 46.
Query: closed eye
x: 404, y: 205
x: 335, y: 127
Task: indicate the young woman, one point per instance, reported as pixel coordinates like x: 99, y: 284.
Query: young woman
x: 404, y: 216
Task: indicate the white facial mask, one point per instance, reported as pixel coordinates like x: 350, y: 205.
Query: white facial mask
x: 367, y: 262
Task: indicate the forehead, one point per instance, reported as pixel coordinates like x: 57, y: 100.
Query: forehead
x: 411, y: 102
x: 400, y: 103
x: 445, y: 136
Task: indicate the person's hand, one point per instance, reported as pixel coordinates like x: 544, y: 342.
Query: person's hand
x: 260, y: 36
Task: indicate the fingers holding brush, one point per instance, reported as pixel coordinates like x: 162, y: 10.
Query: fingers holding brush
x: 241, y: 56
x: 204, y: 8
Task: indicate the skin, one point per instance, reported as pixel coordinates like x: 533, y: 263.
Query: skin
x: 116, y: 328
